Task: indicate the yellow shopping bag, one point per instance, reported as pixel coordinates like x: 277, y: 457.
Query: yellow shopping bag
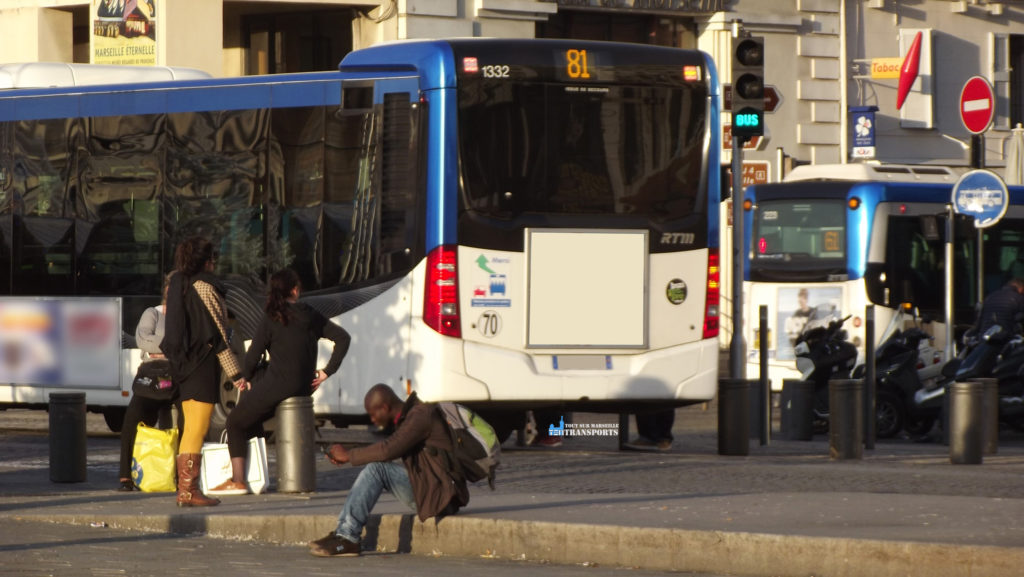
x: 153, y: 459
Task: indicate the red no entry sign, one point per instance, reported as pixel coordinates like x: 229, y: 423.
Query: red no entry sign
x: 977, y: 105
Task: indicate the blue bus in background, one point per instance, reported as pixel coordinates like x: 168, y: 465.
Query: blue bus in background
x: 833, y: 246
x: 506, y: 223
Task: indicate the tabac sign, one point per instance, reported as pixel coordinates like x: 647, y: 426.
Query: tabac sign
x: 673, y: 6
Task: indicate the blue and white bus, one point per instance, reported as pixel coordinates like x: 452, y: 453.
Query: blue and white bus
x: 838, y: 245
x: 505, y: 223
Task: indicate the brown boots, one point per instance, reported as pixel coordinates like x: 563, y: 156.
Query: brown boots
x: 189, y: 494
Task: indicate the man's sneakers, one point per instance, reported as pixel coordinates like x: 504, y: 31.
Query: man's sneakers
x: 333, y: 546
x: 645, y: 444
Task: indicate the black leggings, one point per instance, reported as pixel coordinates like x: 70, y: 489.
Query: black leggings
x: 246, y: 420
x: 140, y: 410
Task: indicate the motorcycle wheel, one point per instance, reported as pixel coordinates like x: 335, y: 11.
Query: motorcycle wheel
x: 917, y: 426
x: 889, y: 415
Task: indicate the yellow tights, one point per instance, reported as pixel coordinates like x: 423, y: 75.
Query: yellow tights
x: 197, y: 423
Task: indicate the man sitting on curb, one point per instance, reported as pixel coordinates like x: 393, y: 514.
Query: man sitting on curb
x: 423, y: 481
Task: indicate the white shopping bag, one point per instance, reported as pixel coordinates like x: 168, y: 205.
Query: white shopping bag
x: 217, y: 465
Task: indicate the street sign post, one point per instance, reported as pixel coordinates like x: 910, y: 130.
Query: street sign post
x: 977, y: 105
x: 981, y: 194
x: 752, y: 143
x: 772, y: 98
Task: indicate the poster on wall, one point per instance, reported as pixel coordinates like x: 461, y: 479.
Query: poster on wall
x: 804, y: 308
x: 124, y: 32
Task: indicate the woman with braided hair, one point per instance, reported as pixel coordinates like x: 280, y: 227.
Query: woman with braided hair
x: 196, y: 341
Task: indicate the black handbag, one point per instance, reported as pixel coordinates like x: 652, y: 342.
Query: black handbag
x: 153, y: 381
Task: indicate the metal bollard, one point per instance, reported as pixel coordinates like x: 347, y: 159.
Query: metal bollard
x: 989, y: 414
x: 734, y: 416
x: 944, y: 416
x: 296, y: 451
x: 798, y: 409
x: 846, y: 419
x: 966, y: 430
x: 785, y: 405
x: 67, y: 437
x: 754, y: 398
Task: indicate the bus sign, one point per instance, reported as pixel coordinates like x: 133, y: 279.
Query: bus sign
x: 981, y: 194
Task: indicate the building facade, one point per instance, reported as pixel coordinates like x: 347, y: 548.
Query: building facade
x: 825, y: 59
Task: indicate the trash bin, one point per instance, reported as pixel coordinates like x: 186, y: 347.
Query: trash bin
x: 67, y: 437
x: 296, y: 450
x: 966, y: 430
x: 798, y: 409
x: 734, y: 416
x: 846, y: 419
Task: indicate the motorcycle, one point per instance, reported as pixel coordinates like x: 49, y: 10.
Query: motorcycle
x: 998, y: 354
x: 905, y: 362
x: 823, y: 354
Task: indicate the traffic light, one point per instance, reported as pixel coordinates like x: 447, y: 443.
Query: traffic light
x: 748, y: 87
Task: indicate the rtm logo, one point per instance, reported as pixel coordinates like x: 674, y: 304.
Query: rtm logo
x: 677, y: 238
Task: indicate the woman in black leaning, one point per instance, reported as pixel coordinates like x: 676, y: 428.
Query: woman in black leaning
x: 196, y: 340
x: 290, y: 331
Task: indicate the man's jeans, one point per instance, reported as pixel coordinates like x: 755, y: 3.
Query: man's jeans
x: 373, y: 480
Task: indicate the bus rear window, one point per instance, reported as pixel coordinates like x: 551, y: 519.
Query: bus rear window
x: 560, y: 149
x: 806, y: 232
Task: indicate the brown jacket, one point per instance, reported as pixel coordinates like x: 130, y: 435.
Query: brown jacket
x: 422, y: 441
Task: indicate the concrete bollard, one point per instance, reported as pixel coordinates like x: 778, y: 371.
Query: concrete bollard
x: 798, y: 409
x: 990, y: 414
x: 296, y: 450
x: 67, y: 437
x: 966, y: 429
x: 734, y: 416
x: 846, y: 419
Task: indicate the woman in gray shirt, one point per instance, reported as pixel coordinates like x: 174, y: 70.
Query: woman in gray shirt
x: 148, y: 335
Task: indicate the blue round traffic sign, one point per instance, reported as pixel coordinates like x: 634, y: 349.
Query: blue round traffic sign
x: 981, y: 194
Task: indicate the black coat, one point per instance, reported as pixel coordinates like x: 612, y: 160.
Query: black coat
x: 293, y: 351
x: 191, y: 335
x: 1001, y: 308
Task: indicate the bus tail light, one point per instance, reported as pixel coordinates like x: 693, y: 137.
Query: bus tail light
x: 711, y: 306
x: 441, y: 298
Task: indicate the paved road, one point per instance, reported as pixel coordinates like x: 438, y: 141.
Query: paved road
x: 594, y: 465
x: 786, y: 506
x: 36, y: 549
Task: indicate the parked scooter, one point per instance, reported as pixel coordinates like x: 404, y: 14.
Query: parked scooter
x: 998, y: 354
x: 823, y: 354
x: 905, y: 361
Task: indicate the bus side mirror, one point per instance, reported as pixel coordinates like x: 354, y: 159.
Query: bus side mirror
x: 725, y: 178
x: 930, y: 228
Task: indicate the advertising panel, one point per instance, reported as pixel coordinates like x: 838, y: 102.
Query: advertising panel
x: 67, y: 342
x: 123, y: 32
x: 803, y: 308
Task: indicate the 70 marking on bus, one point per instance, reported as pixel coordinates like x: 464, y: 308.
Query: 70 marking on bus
x: 489, y: 324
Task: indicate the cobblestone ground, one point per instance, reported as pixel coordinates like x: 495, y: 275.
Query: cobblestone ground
x: 595, y: 465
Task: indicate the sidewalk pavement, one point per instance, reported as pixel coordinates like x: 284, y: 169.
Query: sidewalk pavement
x: 784, y: 510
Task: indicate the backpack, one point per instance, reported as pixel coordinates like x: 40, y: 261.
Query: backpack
x: 476, y: 450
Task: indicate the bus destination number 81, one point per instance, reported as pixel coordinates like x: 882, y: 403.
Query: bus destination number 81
x: 576, y: 64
